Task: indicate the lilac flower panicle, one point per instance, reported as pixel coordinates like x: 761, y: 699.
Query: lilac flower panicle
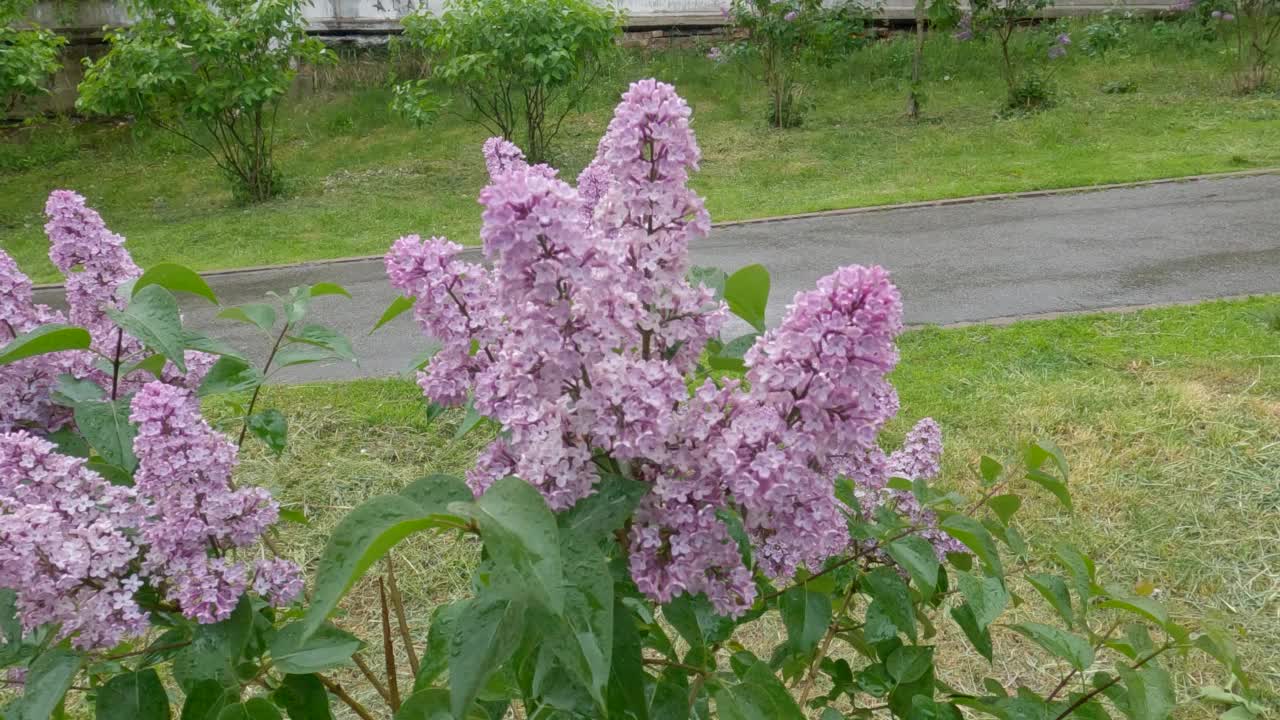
x: 184, y: 471
x: 791, y: 16
x: 65, y: 545
x: 578, y: 336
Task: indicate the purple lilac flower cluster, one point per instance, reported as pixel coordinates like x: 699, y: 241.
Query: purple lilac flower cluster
x: 96, y: 267
x: 65, y: 545
x: 1059, y: 47
x: 74, y: 547
x: 579, y: 339
x: 184, y: 474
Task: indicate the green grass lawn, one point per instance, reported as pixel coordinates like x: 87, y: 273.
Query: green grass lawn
x: 1170, y: 418
x: 359, y: 177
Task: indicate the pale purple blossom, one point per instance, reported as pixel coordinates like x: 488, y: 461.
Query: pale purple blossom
x: 791, y: 16
x: 578, y: 337
x: 715, y: 54
x: 65, y: 545
x: 184, y: 474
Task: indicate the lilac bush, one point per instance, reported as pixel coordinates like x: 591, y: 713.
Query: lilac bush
x: 650, y: 489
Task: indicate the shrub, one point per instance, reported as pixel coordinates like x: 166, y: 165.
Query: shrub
x: 1106, y: 33
x: 521, y: 65
x: 784, y: 35
x: 1249, y: 30
x: 654, y: 491
x: 1028, y: 87
x: 213, y: 73
x: 28, y: 57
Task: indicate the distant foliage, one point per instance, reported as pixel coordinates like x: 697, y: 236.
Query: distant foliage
x: 783, y: 36
x: 521, y: 66
x: 1250, y: 30
x: 213, y: 73
x: 1029, y: 86
x: 29, y: 57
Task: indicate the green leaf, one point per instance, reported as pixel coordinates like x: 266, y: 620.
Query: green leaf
x: 990, y: 469
x: 303, y: 697
x: 626, y: 694
x: 747, y: 294
x: 327, y: 288
x: 1144, y: 606
x: 586, y: 645
x: 606, y: 511
x: 1053, y: 485
x: 1150, y: 691
x: 207, y: 698
x: 326, y: 338
x: 521, y: 537
x: 106, y: 427
x: 1081, y: 569
x: 1072, y: 648
x: 893, y: 598
x: 175, y: 278
x: 48, y: 679
x: 1040, y: 451
x: 153, y: 317
x: 759, y: 696
x: 1005, y: 506
x: 259, y: 314
x: 297, y: 652
x: 251, y: 709
x: 153, y: 364
x: 469, y: 421
x: 133, y: 696
x: 193, y: 340
x: 394, y: 310
x: 215, y: 650
x: 71, y: 390
x: 986, y: 596
x: 43, y: 340
x: 909, y: 663
x: 369, y: 531
x: 806, y: 615
x: 917, y: 557
x: 976, y: 538
x: 1054, y: 590
x: 978, y: 634
x: 230, y: 374
x: 487, y: 632
x: 271, y: 427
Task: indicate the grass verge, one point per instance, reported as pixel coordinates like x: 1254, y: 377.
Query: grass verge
x: 359, y: 177
x: 1170, y: 418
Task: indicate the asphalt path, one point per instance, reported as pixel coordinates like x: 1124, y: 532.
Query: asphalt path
x: 973, y: 262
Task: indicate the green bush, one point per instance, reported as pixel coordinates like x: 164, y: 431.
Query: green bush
x: 521, y: 65
x: 28, y: 57
x: 213, y: 73
x: 784, y: 36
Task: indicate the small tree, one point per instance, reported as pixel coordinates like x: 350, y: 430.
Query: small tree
x: 1249, y: 28
x: 783, y: 35
x: 522, y: 65
x: 28, y: 56
x: 937, y: 14
x: 1028, y: 88
x: 213, y: 73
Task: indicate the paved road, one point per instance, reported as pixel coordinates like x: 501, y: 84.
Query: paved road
x: 974, y: 262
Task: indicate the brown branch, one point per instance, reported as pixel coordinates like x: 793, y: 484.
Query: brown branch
x: 340, y: 693
x: 372, y: 677
x: 389, y: 649
x: 397, y: 601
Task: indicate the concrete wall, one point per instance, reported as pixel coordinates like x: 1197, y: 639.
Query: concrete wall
x: 86, y: 18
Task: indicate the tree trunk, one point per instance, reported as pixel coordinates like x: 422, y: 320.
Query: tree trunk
x: 917, y: 59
